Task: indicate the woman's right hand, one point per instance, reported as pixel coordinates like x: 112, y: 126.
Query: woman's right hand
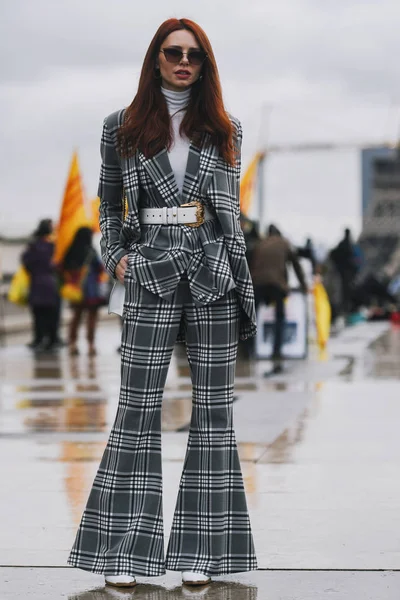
x: 121, y: 268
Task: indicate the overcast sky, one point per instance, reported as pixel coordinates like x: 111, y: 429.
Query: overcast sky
x: 292, y: 71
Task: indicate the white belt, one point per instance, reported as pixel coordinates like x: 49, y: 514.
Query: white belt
x: 192, y: 214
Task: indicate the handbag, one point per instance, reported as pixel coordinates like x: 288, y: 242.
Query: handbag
x: 19, y: 287
x: 73, y: 290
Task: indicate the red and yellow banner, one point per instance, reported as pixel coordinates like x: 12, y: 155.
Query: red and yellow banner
x: 73, y: 213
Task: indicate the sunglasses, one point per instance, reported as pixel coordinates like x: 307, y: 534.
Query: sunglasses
x: 173, y: 55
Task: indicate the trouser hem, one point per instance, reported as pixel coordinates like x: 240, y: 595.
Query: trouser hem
x: 111, y: 571
x: 212, y: 572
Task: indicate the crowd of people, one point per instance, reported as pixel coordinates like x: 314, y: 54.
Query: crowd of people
x: 80, y: 279
x: 354, y: 289
x: 349, y: 283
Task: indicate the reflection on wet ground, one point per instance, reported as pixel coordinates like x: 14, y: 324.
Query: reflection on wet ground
x: 51, y: 584
x: 382, y: 361
x: 280, y: 449
x: 319, y: 447
x: 217, y: 591
x: 57, y: 393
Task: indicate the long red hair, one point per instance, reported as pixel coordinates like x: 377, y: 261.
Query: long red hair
x: 147, y: 122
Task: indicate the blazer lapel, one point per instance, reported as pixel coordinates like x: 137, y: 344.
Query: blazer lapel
x: 190, y: 190
x: 200, y: 167
x: 159, y: 169
x: 207, y: 162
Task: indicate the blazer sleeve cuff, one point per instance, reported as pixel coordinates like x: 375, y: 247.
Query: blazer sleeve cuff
x: 114, y: 259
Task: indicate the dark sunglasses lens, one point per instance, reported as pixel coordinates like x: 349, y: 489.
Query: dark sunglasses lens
x: 172, y: 55
x: 196, y: 57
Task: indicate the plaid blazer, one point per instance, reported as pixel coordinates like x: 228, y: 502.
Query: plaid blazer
x: 150, y: 182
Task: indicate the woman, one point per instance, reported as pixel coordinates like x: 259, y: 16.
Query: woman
x: 83, y: 268
x: 43, y: 294
x: 174, y: 153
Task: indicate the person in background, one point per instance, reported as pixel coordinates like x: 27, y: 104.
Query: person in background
x: 345, y: 260
x: 308, y: 252
x: 270, y: 260
x: 43, y: 295
x: 332, y: 284
x: 84, y: 268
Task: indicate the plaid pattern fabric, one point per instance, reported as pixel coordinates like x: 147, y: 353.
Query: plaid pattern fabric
x: 162, y: 253
x: 165, y: 253
x: 121, y: 531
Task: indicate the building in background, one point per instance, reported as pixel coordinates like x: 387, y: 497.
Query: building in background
x: 380, y: 234
x: 368, y: 158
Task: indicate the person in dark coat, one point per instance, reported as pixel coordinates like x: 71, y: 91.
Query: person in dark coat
x: 270, y: 259
x: 83, y: 267
x: 345, y: 260
x: 307, y: 251
x: 43, y: 295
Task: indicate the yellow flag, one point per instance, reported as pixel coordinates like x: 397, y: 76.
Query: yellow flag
x: 248, y: 182
x: 322, y: 314
x: 73, y: 214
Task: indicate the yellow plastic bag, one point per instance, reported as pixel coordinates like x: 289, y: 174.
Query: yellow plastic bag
x: 72, y: 288
x: 322, y: 314
x: 71, y: 292
x: 19, y: 287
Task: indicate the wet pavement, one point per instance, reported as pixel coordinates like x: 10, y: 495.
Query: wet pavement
x: 320, y: 452
x: 45, y: 584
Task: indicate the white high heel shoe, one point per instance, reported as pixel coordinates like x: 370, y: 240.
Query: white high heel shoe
x: 192, y: 578
x: 120, y: 580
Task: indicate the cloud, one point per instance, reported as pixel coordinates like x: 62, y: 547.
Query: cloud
x: 351, y: 42
x: 322, y: 71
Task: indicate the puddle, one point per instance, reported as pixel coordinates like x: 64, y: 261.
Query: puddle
x: 382, y: 359
x: 61, y: 415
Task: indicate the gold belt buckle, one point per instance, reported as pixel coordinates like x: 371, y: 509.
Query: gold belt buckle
x: 199, y: 213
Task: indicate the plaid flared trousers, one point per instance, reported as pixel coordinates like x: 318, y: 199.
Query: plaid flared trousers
x: 121, y: 531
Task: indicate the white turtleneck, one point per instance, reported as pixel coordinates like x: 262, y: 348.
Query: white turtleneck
x: 178, y: 154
